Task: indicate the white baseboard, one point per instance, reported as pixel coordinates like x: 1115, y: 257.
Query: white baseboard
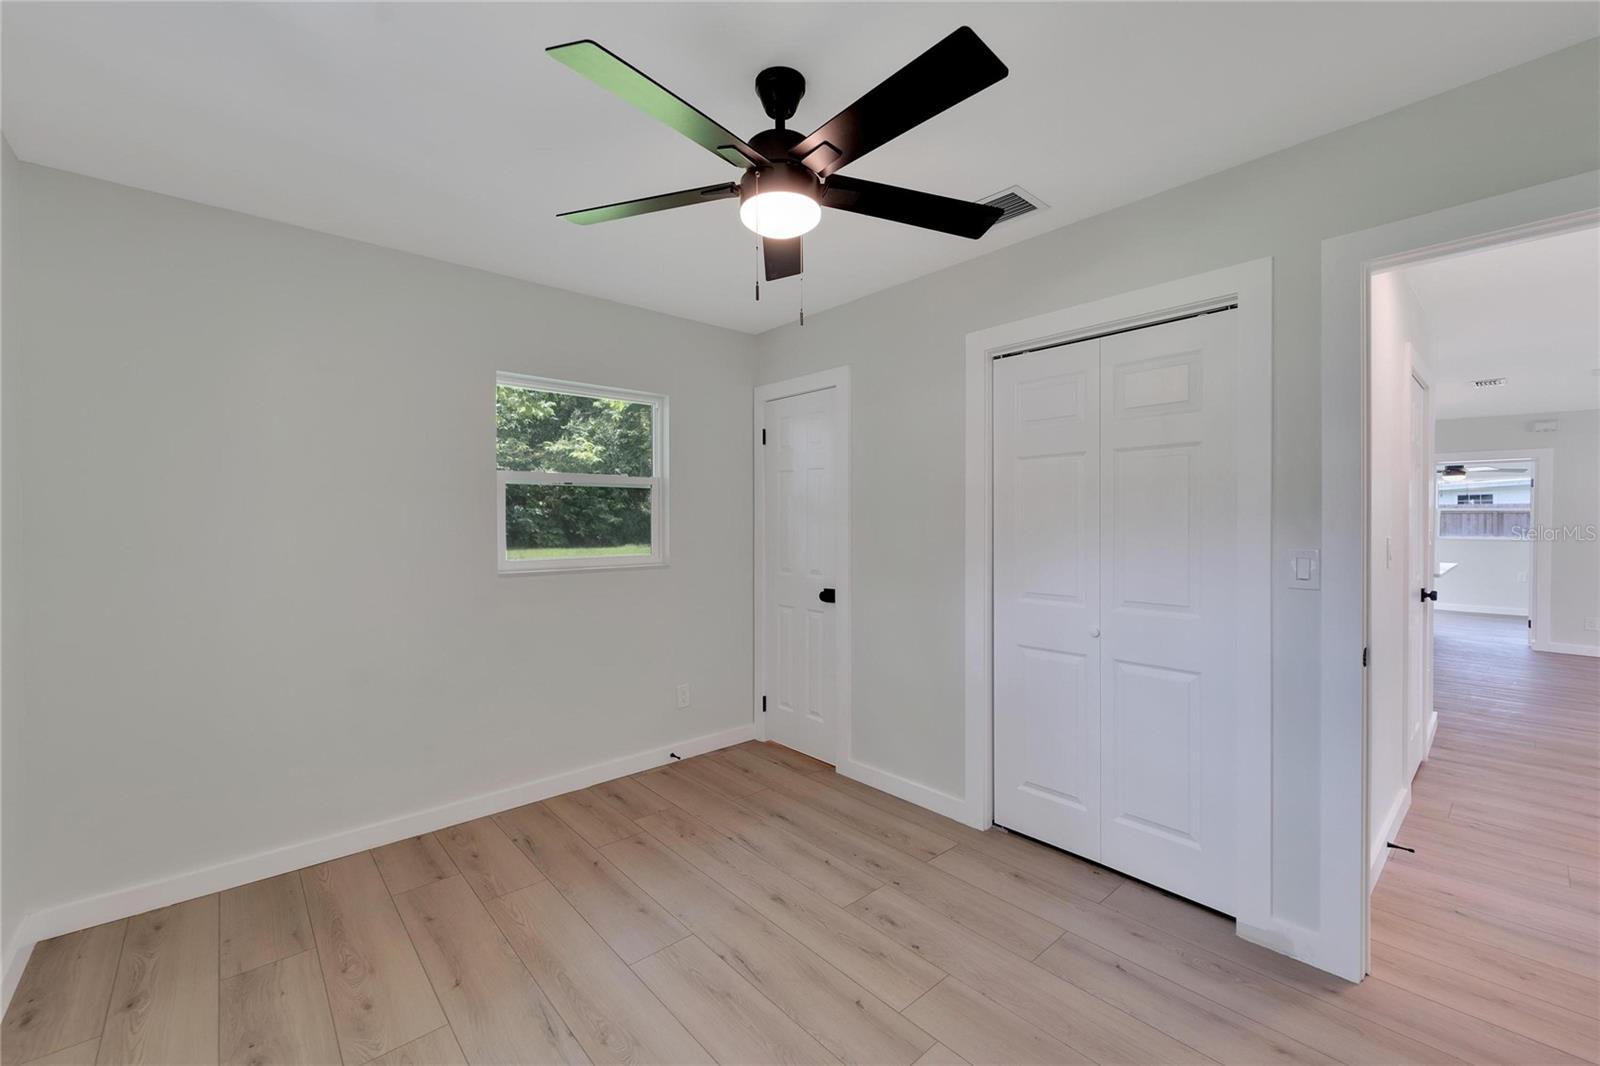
x: 1433, y: 731
x: 953, y: 807
x: 136, y: 899
x: 18, y: 950
x: 1471, y: 608
x: 1386, y: 832
x: 1566, y: 649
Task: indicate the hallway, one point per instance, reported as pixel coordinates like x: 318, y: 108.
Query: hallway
x: 1497, y: 912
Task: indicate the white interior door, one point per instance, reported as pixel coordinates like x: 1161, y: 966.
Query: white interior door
x: 800, y: 561
x: 1422, y: 523
x: 1167, y: 661
x: 1047, y: 595
x: 1114, y: 615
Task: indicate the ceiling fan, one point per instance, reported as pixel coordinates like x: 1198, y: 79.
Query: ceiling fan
x: 788, y: 177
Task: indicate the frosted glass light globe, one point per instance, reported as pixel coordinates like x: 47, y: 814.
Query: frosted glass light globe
x: 779, y: 214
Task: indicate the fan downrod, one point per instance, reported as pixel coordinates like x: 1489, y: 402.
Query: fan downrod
x: 780, y: 89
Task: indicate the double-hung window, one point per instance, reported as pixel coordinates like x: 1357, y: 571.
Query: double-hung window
x: 580, y: 475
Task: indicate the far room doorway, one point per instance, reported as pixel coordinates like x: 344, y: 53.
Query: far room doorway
x: 1485, y: 558
x: 1483, y: 569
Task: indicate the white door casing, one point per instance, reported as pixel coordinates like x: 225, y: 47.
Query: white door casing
x: 802, y: 657
x: 1115, y: 561
x: 1047, y: 595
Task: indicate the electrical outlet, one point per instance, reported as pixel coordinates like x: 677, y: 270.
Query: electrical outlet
x: 683, y: 695
x: 1592, y: 624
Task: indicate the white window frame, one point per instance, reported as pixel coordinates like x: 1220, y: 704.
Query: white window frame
x: 657, y: 484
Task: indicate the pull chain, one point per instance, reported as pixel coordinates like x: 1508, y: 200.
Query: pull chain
x: 802, y: 298
x: 758, y: 269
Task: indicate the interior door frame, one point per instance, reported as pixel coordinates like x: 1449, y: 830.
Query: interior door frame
x: 837, y: 379
x: 1543, y: 461
x: 1342, y: 938
x: 1249, y: 286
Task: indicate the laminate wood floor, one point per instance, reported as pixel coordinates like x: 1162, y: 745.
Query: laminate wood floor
x: 751, y: 906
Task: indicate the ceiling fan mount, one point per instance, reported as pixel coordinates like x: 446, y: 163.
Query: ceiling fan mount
x: 780, y: 89
x: 790, y: 177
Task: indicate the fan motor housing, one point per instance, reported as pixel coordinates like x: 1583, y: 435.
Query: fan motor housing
x: 780, y: 177
x: 775, y: 144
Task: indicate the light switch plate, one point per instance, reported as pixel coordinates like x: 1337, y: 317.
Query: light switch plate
x: 1305, y: 569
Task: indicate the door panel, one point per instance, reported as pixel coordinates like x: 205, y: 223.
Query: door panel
x: 1422, y: 499
x: 1167, y: 650
x: 1114, y: 568
x: 801, y: 508
x: 1046, y: 587
x: 1156, y: 713
x: 1153, y: 543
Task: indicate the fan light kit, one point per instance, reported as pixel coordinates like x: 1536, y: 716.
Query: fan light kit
x: 789, y: 178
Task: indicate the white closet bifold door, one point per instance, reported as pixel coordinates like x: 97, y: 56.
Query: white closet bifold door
x: 1114, y: 568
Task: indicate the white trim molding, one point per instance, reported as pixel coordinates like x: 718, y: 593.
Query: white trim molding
x: 1555, y: 647
x: 838, y: 379
x: 1340, y: 943
x: 1249, y: 285
x: 1378, y: 852
x: 136, y: 899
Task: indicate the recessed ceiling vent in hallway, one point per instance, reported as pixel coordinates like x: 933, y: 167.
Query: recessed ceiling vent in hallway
x: 1014, y: 202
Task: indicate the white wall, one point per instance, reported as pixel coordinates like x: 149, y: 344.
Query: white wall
x: 1399, y: 345
x: 12, y: 821
x: 1491, y: 575
x: 258, y: 512
x: 1575, y: 506
x: 905, y: 347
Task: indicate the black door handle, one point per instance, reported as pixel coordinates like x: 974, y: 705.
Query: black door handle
x: 827, y: 595
x: 1427, y: 595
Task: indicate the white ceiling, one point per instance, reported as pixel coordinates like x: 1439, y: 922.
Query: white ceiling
x: 441, y: 129
x: 1527, y: 312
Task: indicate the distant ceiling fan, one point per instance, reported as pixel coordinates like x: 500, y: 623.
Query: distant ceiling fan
x: 789, y: 178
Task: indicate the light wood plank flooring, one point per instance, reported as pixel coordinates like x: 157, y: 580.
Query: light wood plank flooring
x: 751, y: 906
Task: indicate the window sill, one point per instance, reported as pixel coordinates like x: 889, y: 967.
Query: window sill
x: 582, y: 568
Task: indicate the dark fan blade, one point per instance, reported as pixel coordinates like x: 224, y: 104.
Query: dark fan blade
x: 961, y: 218
x: 644, y: 205
x: 938, y: 79
x: 783, y: 258
x: 639, y: 89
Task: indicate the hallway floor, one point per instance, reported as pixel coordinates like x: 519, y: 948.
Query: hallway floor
x: 1498, y: 912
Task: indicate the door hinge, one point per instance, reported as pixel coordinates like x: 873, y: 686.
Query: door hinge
x: 763, y: 705
x: 1363, y: 657
x: 763, y: 436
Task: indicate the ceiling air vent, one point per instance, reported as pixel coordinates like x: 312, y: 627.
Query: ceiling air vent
x: 1014, y: 202
x: 1488, y: 383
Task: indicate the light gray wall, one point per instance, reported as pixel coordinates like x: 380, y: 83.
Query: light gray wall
x: 12, y: 822
x: 1529, y: 125
x: 258, y: 514
x: 1574, y: 505
x: 1490, y: 575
